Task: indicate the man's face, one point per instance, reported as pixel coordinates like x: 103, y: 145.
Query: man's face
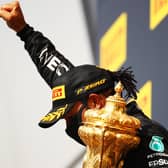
x: 75, y: 116
x: 93, y: 101
x: 74, y: 111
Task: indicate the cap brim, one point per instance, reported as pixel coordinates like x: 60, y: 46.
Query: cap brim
x: 55, y: 115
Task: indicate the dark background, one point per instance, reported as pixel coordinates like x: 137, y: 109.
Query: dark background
x: 146, y: 49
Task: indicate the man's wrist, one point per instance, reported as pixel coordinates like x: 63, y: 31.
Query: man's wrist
x: 24, y: 32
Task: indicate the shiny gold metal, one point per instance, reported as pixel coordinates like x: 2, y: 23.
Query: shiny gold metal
x: 109, y: 133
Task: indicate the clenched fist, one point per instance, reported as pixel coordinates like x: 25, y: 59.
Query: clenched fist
x: 12, y: 14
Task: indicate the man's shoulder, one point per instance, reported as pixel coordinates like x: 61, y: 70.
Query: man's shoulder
x: 149, y: 127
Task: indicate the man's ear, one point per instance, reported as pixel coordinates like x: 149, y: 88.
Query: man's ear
x: 96, y: 101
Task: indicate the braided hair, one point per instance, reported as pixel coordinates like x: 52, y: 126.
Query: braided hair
x: 126, y: 76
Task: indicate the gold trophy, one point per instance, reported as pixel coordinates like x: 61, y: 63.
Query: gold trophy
x: 108, y: 133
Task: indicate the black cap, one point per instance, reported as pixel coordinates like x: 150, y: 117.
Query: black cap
x: 74, y: 85
x: 81, y: 81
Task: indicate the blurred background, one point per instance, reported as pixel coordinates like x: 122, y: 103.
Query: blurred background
x: 108, y: 33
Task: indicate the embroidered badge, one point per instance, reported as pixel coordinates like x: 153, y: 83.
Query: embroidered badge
x: 58, y: 92
x: 156, y: 144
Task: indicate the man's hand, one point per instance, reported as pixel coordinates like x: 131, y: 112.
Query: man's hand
x: 12, y: 14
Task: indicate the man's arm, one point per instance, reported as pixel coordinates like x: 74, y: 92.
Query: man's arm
x: 49, y: 62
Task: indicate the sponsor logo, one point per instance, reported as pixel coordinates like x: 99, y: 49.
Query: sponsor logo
x: 44, y: 57
x: 55, y: 115
x: 113, y: 44
x: 159, y: 162
x: 58, y: 92
x: 91, y: 86
x: 156, y: 144
x: 52, y: 62
x: 145, y: 98
x: 153, y: 155
x: 158, y: 11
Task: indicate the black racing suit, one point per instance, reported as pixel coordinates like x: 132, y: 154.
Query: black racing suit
x: 49, y: 62
x: 153, y: 149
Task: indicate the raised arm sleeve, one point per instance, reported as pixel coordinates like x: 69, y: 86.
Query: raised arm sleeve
x: 49, y: 62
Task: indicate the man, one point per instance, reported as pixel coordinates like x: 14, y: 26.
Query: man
x: 74, y: 89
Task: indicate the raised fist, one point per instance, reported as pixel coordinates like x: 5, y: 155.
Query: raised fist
x: 12, y: 14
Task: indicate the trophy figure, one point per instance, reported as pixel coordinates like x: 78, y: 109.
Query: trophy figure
x: 108, y: 133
